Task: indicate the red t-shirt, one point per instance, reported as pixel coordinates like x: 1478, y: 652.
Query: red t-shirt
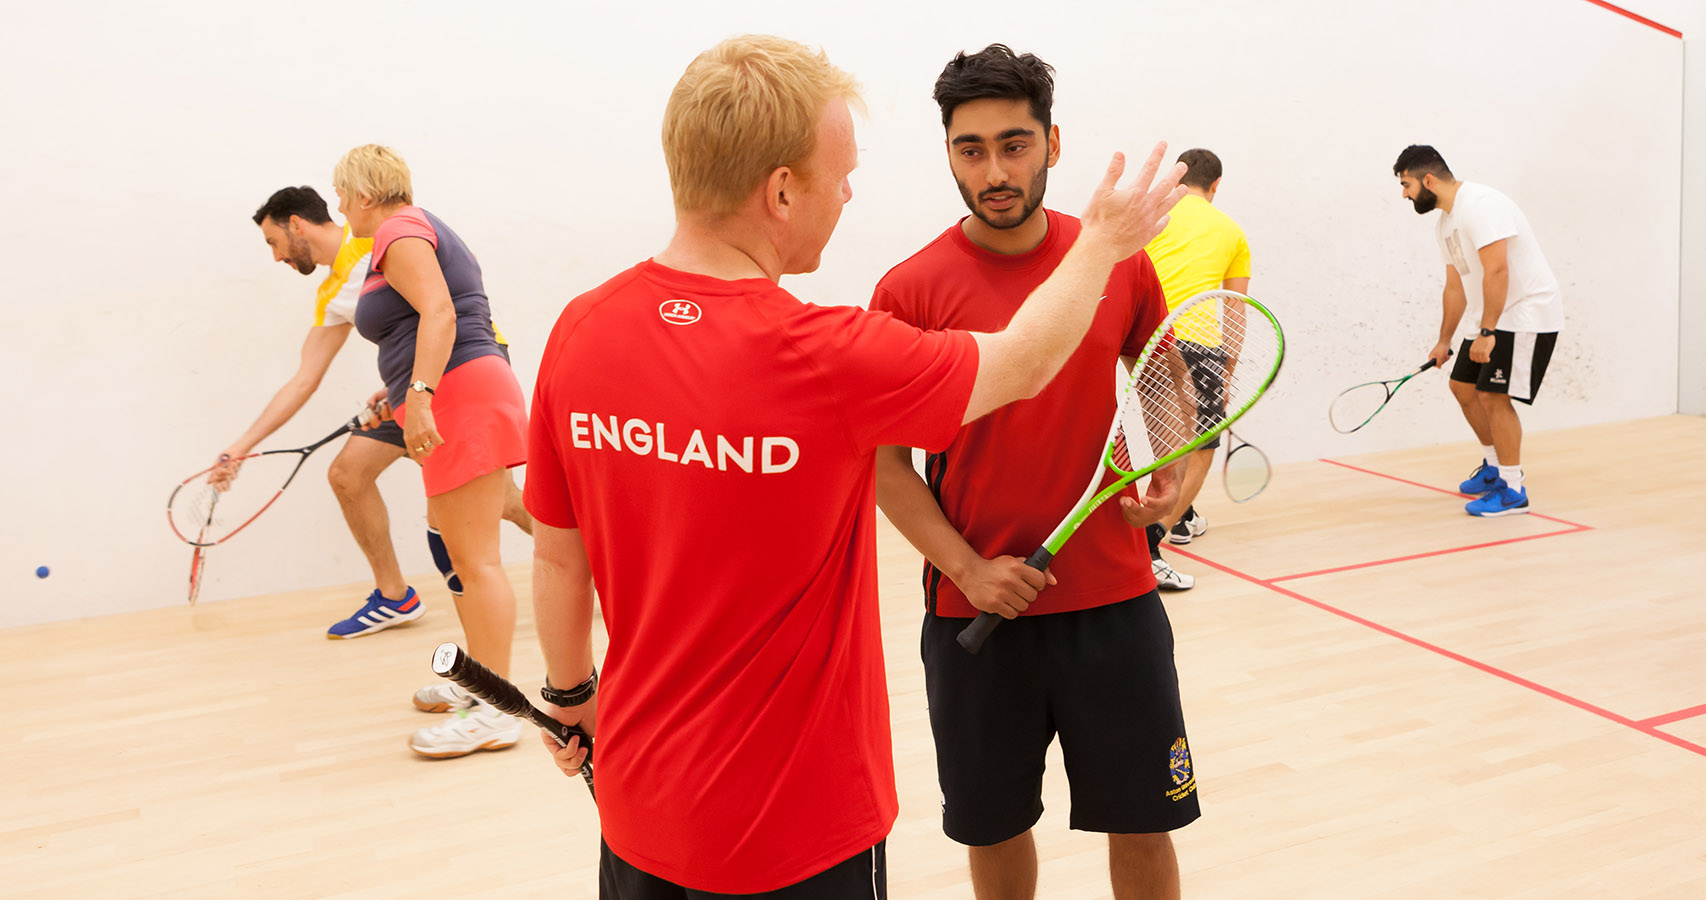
x: 714, y: 441
x: 1009, y: 478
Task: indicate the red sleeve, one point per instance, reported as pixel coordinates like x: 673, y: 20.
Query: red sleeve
x: 894, y: 383
x: 1148, y: 303
x: 409, y: 221
x: 546, y: 493
x: 885, y: 300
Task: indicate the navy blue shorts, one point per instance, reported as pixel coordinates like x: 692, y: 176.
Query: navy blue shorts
x: 1102, y: 679
x: 387, y: 433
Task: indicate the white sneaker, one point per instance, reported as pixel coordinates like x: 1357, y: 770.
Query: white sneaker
x: 1190, y: 525
x: 442, y: 697
x: 478, y: 727
x: 1168, y: 579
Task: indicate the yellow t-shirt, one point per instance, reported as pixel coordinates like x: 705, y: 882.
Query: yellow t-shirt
x: 1200, y: 249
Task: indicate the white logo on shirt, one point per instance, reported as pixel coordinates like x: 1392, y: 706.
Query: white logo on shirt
x: 588, y: 431
x: 679, y: 312
x: 1454, y: 246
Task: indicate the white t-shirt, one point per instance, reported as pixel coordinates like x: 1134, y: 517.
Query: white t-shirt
x: 1480, y: 216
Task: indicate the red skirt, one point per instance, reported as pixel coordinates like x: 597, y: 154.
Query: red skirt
x: 482, y: 416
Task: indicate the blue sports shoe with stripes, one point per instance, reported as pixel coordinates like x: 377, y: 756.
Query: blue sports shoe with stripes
x: 1499, y: 502
x: 378, y: 614
x: 1485, y: 478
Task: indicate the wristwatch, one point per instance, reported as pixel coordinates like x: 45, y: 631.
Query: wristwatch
x: 419, y: 385
x: 1485, y: 332
x: 574, y: 696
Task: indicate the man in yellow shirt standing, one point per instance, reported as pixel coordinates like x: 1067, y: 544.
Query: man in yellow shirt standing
x: 1201, y: 249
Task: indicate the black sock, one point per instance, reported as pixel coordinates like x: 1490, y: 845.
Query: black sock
x: 1156, y: 535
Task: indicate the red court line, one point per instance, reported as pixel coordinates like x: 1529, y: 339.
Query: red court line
x: 1677, y: 716
x: 1440, y: 490
x: 1399, y: 559
x: 1647, y: 727
x: 1637, y: 17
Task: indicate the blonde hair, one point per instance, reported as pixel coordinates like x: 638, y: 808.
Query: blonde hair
x: 375, y: 172
x: 741, y: 110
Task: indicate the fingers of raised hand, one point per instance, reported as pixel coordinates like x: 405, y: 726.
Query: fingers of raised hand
x: 1146, y: 175
x: 1111, y: 178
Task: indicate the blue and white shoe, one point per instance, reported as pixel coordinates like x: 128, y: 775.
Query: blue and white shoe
x: 378, y: 614
x: 1485, y: 478
x: 1500, y: 502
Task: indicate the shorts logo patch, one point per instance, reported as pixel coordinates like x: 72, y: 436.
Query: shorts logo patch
x: 1179, y: 766
x: 1498, y: 377
x: 679, y: 312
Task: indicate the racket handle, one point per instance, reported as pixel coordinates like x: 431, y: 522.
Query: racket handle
x: 449, y: 661
x: 1434, y: 362
x: 973, y: 636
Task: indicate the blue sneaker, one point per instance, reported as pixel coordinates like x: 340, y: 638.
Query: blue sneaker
x: 1485, y: 478
x: 378, y: 614
x: 1499, y: 502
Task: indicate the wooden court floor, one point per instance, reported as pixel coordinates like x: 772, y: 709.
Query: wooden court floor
x: 1385, y: 699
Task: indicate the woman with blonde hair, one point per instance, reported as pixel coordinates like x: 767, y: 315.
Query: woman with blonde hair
x: 464, y: 420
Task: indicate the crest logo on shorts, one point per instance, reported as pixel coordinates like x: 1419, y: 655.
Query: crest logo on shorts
x: 1179, y: 762
x: 679, y: 312
x: 1179, y: 766
x: 1498, y: 377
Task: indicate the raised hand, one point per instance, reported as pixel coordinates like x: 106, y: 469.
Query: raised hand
x: 1128, y: 218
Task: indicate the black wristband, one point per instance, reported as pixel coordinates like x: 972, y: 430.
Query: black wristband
x: 574, y: 696
x: 1487, y: 332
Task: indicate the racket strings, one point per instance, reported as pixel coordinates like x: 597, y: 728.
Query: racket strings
x: 205, y: 511
x: 1246, y: 473
x: 1353, y: 408
x: 1212, y: 363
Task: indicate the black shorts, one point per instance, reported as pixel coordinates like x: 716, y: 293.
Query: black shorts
x: 1516, y: 367
x: 386, y: 433
x: 862, y: 876
x: 1103, y: 679
x: 1207, y: 367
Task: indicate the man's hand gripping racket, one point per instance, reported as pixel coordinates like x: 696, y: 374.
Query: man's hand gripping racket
x: 448, y: 661
x: 1180, y: 394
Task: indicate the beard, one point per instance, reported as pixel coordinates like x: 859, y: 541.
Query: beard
x: 1028, y: 199
x: 1425, y: 201
x: 301, y: 256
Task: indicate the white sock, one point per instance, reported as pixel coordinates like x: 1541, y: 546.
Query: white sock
x: 1512, y: 476
x: 1489, y: 454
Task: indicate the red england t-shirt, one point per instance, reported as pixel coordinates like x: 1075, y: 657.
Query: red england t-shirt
x: 714, y: 442
x: 1009, y: 478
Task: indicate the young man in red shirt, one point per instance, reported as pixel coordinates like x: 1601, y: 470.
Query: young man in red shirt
x: 702, y: 450
x: 1091, y: 658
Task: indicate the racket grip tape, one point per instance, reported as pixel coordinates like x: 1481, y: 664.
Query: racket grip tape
x: 973, y: 636
x: 1434, y: 362
x: 449, y: 661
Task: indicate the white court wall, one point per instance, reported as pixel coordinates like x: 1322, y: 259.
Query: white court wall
x: 147, y: 323
x: 1689, y: 17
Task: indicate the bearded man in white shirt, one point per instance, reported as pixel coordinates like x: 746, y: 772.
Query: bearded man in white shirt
x: 1500, y: 287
